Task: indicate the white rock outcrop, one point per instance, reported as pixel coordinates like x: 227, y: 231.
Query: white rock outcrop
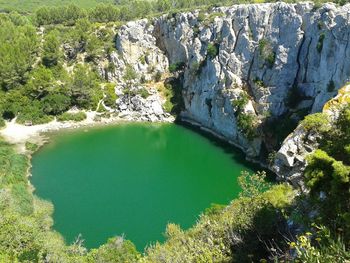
x: 286, y: 57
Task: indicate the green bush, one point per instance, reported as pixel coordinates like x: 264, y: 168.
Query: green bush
x: 33, y: 113
x: 32, y: 147
x: 115, y: 250
x: 85, y: 88
x: 18, y: 48
x: 176, y: 67
x: 241, y: 102
x: 173, y: 97
x: 246, y: 122
x: 51, y: 49
x: 130, y: 74
x: 212, y: 50
x: 55, y: 103
x: 259, y: 82
x: 13, y: 167
x: 144, y: 93
x: 328, y: 171
x: 266, y: 52
x: 69, y: 116
x: 40, y: 83
x: 110, y: 95
x: 317, y: 122
x: 105, y: 13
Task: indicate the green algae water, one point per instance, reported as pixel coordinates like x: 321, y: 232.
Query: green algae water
x: 132, y: 179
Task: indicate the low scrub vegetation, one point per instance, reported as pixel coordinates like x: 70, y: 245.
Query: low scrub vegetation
x: 267, y: 53
x: 72, y: 116
x: 42, y: 76
x: 246, y: 121
x: 172, y: 92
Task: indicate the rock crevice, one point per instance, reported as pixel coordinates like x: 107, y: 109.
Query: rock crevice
x: 288, y: 58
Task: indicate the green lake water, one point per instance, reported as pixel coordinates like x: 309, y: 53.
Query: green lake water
x: 133, y: 179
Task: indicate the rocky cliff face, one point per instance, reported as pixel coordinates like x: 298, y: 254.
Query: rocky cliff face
x: 243, y: 66
x: 289, y: 162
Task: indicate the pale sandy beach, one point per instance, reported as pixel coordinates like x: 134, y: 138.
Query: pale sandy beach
x: 19, y: 134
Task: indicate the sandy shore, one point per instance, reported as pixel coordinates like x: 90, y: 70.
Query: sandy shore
x: 19, y: 134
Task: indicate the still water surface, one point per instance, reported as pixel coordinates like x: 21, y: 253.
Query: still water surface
x: 132, y: 179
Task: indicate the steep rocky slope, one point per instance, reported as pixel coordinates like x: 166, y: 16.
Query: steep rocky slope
x: 289, y: 162
x: 243, y: 68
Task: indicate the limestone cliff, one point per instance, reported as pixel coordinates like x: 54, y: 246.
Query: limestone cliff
x: 289, y: 162
x: 287, y: 59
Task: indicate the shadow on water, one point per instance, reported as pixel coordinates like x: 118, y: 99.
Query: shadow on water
x: 234, y: 152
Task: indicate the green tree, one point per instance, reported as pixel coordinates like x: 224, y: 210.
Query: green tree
x: 40, y: 83
x: 115, y: 250
x: 85, y: 88
x: 55, y: 103
x: 18, y: 47
x: 51, y: 49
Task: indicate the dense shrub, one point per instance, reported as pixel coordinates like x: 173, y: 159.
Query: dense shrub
x: 115, y: 250
x: 246, y: 121
x: 328, y: 171
x: 172, y: 92
x: 32, y: 147
x: 40, y: 83
x: 72, y: 116
x: 317, y: 122
x: 18, y: 47
x: 105, y: 13
x: 176, y: 67
x: 130, y: 74
x: 67, y: 15
x: 33, y: 114
x: 266, y: 52
x: 110, y: 95
x: 212, y: 50
x: 56, y: 103
x: 144, y: 93
x: 51, y: 49
x: 85, y: 88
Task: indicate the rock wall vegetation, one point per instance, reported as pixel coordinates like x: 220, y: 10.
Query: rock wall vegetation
x: 248, y: 73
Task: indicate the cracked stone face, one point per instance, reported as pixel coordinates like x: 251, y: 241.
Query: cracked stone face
x: 268, y: 51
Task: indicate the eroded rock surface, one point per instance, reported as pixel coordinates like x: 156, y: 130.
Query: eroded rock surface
x: 289, y: 59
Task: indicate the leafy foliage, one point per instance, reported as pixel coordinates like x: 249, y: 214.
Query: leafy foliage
x: 266, y: 52
x: 18, y: 48
x: 247, y: 122
x: 212, y: 50
x: 110, y: 96
x: 317, y: 122
x: 328, y: 172
x: 176, y: 67
x: 51, y: 49
x: 69, y: 116
x: 172, y: 92
x: 85, y: 88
